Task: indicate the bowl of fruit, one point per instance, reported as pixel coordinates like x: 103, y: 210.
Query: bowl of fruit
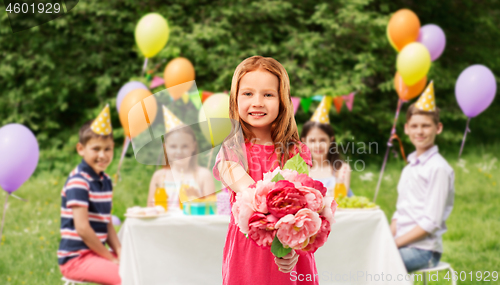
x: 355, y: 203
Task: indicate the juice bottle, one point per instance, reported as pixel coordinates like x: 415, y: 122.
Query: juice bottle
x: 161, y: 197
x: 340, y: 189
x: 183, y: 197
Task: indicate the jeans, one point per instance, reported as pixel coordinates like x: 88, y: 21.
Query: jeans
x: 415, y: 258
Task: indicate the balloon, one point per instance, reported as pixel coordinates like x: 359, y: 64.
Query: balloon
x: 179, y: 70
x: 413, y: 63
x: 403, y: 28
x: 475, y: 89
x: 406, y: 92
x: 216, y: 106
x: 132, y: 85
x: 133, y: 121
x: 115, y: 220
x: 433, y: 38
x: 19, y: 154
x: 151, y: 34
x: 390, y: 40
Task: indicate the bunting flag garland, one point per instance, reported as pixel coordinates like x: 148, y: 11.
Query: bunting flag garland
x: 185, y: 98
x: 196, y: 100
x: 349, y: 100
x: 305, y: 103
x: 295, y: 103
x: 205, y: 95
x: 157, y: 81
x: 317, y: 97
x: 337, y: 101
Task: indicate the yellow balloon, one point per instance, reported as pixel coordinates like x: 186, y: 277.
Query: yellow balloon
x: 413, y: 63
x: 216, y: 108
x: 151, y: 34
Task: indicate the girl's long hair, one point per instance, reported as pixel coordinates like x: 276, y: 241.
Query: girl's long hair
x: 333, y: 155
x: 283, y: 129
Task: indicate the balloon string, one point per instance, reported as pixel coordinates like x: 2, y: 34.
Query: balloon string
x: 144, y: 66
x: 126, y: 143
x: 467, y: 130
x: 19, y: 198
x: 4, y: 211
x: 389, y: 145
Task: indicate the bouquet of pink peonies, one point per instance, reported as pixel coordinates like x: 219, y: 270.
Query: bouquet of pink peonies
x: 286, y: 210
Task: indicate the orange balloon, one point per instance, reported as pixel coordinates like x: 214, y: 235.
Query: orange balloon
x: 132, y: 116
x: 178, y: 71
x: 405, y: 92
x: 403, y: 28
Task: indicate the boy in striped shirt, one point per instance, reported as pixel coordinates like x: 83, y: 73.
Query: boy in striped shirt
x: 86, y: 210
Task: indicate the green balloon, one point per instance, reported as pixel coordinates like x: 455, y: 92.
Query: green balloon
x: 215, y: 110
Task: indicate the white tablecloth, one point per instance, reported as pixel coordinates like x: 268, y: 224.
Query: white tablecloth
x: 188, y: 250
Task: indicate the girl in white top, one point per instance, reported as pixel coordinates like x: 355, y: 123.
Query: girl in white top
x: 181, y: 167
x: 327, y: 167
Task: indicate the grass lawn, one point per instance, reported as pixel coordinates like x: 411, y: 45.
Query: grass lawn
x: 31, y: 234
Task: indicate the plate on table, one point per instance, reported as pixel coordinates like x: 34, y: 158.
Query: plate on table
x: 142, y: 216
x: 359, y: 209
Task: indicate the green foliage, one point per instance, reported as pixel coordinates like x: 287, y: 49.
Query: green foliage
x: 298, y: 164
x: 56, y: 76
x: 277, y: 178
x: 278, y: 249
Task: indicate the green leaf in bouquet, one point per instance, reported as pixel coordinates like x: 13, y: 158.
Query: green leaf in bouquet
x: 298, y: 164
x: 277, y: 178
x: 278, y: 249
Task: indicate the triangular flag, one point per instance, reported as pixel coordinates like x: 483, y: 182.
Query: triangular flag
x: 321, y: 113
x: 295, y: 103
x: 157, y: 81
x: 102, y: 124
x: 349, y: 100
x: 171, y: 121
x: 196, y: 100
x: 305, y: 103
x: 317, y: 97
x: 427, y: 102
x: 185, y: 98
x: 337, y: 101
x: 205, y: 95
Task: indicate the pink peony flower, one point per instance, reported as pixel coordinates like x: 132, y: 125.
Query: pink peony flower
x: 330, y: 206
x: 313, y: 197
x: 290, y: 175
x: 262, y: 188
x: 285, y: 199
x: 295, y: 231
x: 261, y: 229
x: 243, y: 208
x: 319, y: 239
x: 309, y: 182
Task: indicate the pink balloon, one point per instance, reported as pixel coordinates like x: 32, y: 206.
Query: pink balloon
x: 433, y: 38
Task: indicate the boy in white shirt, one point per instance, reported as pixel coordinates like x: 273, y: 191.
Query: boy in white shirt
x: 425, y: 189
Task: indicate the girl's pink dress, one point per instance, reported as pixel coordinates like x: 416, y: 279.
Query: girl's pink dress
x: 243, y: 261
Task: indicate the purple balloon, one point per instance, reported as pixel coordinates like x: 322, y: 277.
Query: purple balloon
x: 115, y: 220
x: 475, y: 89
x: 433, y: 38
x: 132, y: 85
x: 18, y: 156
